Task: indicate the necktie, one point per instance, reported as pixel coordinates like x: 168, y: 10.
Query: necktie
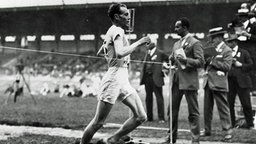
x: 234, y: 51
x: 182, y: 42
x: 149, y: 52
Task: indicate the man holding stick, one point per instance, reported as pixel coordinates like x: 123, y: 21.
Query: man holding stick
x: 188, y: 57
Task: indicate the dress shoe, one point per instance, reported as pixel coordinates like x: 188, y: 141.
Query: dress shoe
x: 195, y: 141
x: 204, y: 133
x: 251, y: 128
x: 161, y: 121
x: 253, y: 93
x: 127, y: 139
x: 228, y: 137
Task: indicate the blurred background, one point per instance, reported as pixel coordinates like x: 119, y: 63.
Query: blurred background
x: 79, y: 26
x: 54, y: 44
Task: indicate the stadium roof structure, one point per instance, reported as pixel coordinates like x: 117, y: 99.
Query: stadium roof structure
x: 8, y: 5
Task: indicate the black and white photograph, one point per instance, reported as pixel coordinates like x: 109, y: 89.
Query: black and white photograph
x: 128, y: 72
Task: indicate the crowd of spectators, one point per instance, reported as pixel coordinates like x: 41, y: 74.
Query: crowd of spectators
x: 70, y: 76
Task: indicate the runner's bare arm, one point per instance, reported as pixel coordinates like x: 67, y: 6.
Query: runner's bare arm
x: 122, y: 51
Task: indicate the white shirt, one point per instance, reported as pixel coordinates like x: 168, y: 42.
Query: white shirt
x: 241, y: 37
x: 246, y: 23
x: 112, y: 59
x: 151, y: 52
x: 234, y: 51
x: 184, y: 39
x: 218, y: 46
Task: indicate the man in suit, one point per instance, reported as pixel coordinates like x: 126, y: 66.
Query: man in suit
x: 239, y: 81
x: 187, y: 55
x: 152, y: 78
x: 247, y: 41
x: 216, y: 87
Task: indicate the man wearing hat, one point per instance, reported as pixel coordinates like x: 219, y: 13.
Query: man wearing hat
x: 239, y: 81
x: 216, y: 87
x: 247, y: 40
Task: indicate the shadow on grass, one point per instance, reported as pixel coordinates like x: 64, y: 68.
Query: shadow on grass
x: 38, y: 124
x: 39, y: 139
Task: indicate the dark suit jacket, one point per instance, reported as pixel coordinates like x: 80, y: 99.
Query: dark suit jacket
x: 158, y: 75
x: 250, y: 44
x: 241, y: 74
x: 217, y: 76
x: 188, y: 77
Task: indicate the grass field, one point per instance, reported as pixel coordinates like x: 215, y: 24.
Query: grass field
x: 75, y: 113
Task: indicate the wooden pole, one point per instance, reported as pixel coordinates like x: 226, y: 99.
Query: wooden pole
x: 170, y: 98
x: 131, y: 25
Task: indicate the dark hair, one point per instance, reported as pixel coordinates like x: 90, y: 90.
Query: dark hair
x: 115, y: 9
x: 184, y: 22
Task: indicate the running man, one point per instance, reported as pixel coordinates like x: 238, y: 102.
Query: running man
x: 115, y: 84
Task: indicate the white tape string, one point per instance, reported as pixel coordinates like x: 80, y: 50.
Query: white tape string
x: 74, y: 55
